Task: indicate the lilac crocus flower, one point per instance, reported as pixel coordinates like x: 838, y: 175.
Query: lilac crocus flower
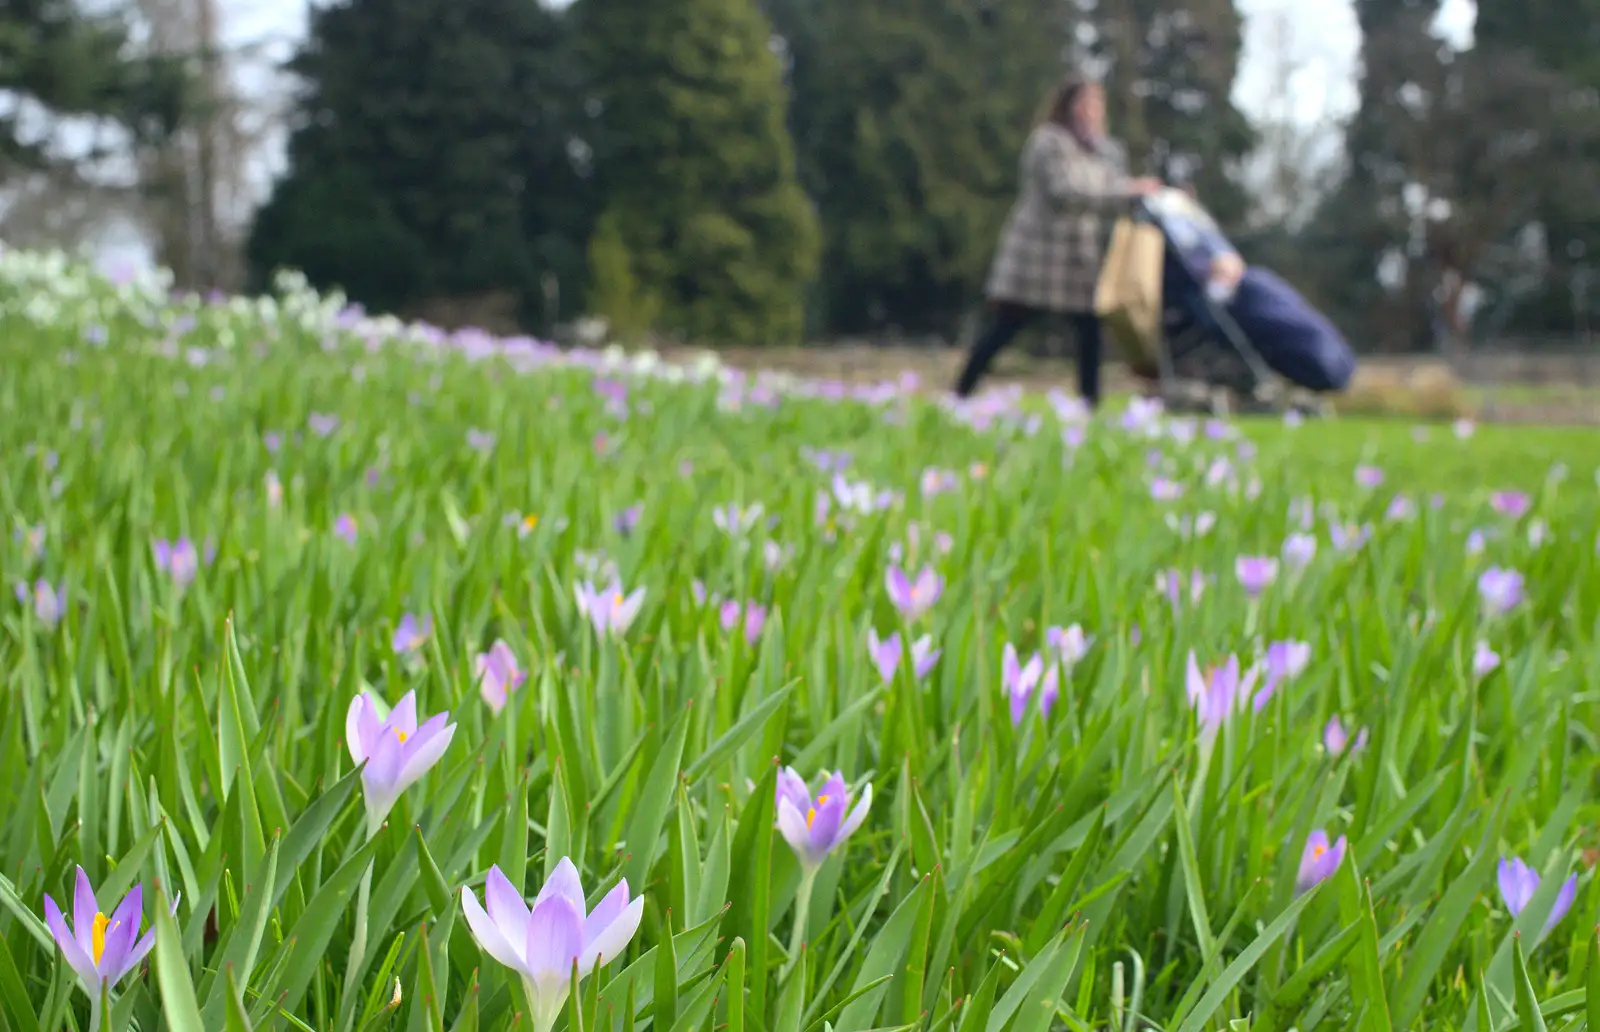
x: 1518, y: 883
x: 1020, y: 680
x: 1319, y: 861
x: 1070, y: 644
x: 1514, y: 504
x: 396, y: 751
x: 1336, y: 739
x: 610, y: 611
x: 48, y: 602
x: 752, y: 616
x: 1400, y: 508
x: 179, y: 559
x: 914, y: 598
x: 480, y: 440
x: 273, y: 441
x: 410, y: 634
x: 345, y: 529
x: 1476, y: 542
x: 274, y: 488
x: 627, y: 520
x: 1500, y: 590
x: 542, y: 944
x: 1285, y: 661
x: 1465, y: 428
x: 1347, y: 537
x: 1165, y: 490
x: 938, y: 481
x: 885, y: 653
x: 923, y: 656
x: 498, y: 675
x: 815, y: 827
x: 1485, y: 660
x: 1170, y: 583
x: 323, y: 424
x: 100, y: 949
x: 1216, y: 693
x: 1299, y: 550
x: 735, y: 521
x: 1256, y: 573
x: 1369, y: 476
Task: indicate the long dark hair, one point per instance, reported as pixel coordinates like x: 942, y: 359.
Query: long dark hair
x: 1058, y: 106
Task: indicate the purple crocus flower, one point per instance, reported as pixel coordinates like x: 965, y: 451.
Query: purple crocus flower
x: 627, y: 520
x: 1165, y: 490
x: 1476, y: 542
x: 273, y: 441
x: 1285, y: 661
x: 323, y: 424
x: 610, y: 611
x: 396, y: 751
x: 1465, y: 428
x: 1021, y: 680
x: 1216, y: 693
x: 1299, y: 550
x: 498, y: 675
x: 1256, y: 573
x: 1500, y: 590
x: 736, y: 521
x: 1518, y: 883
x: 47, y: 601
x: 1485, y: 660
x: 1069, y: 644
x: 480, y: 440
x: 1336, y: 739
x: 923, y: 656
x: 752, y: 616
x: 1400, y: 508
x: 815, y: 827
x: 1319, y: 861
x: 100, y: 949
x: 410, y: 634
x: 1170, y: 583
x: 1369, y: 476
x: 1347, y: 537
x: 885, y: 653
x: 1514, y: 504
x: 938, y: 481
x: 542, y: 944
x: 345, y: 528
x: 179, y: 559
x: 914, y: 598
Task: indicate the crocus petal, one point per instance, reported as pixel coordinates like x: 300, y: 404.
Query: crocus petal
x: 563, y: 882
x: 355, y: 721
x: 491, y: 939
x: 506, y: 907
x: 1515, y: 889
x: 899, y: 587
x: 1194, y: 682
x: 424, y: 750
x: 404, y: 715
x: 857, y: 815
x: 554, y: 942
x: 823, y: 830
x: 139, y: 951
x: 121, y: 933
x: 792, y: 826
x: 613, y: 938
x: 793, y: 787
x: 1563, y: 903
x: 76, y: 956
x: 84, y: 909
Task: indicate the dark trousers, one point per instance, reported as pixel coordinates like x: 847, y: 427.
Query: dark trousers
x: 1006, y: 319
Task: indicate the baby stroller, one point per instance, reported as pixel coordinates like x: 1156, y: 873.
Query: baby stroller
x: 1261, y: 347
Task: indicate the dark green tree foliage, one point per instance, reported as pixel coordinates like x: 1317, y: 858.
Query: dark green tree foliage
x: 909, y: 116
x: 1170, y: 86
x: 697, y: 167
x: 430, y: 155
x: 70, y: 63
x: 1561, y: 37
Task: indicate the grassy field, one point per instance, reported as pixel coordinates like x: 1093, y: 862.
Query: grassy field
x: 256, y: 546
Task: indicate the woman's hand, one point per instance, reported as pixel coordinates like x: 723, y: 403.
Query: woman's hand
x: 1227, y: 270
x: 1145, y: 186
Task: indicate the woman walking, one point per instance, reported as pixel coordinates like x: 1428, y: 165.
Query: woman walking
x: 1048, y: 261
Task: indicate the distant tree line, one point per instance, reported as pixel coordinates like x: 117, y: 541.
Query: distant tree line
x: 766, y: 171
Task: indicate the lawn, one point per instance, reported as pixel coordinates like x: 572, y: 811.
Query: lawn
x: 409, y: 681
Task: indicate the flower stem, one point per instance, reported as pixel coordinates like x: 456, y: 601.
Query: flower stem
x: 96, y: 1008
x: 802, y: 913
x: 358, y: 948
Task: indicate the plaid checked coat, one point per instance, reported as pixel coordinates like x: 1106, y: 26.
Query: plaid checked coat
x: 1053, y: 242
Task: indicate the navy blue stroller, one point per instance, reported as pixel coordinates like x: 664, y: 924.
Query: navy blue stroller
x: 1261, y: 342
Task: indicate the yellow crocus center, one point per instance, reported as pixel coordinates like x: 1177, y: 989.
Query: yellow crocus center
x: 98, y: 936
x: 811, y: 817
x: 400, y: 735
x: 616, y: 601
x: 1317, y: 851
x: 530, y: 521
